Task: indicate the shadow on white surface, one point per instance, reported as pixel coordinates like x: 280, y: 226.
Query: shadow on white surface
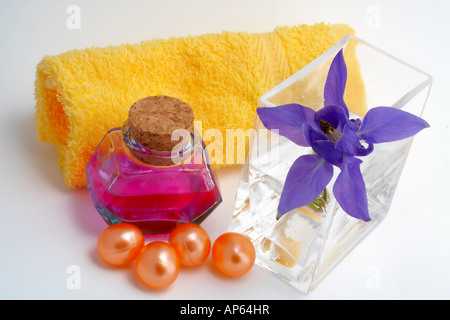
x: 83, y: 213
x: 42, y: 156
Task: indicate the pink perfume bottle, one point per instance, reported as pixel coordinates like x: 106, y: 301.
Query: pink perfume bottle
x: 154, y: 171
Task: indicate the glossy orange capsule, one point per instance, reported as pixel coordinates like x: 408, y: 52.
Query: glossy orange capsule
x: 157, y: 265
x: 119, y: 244
x: 192, y: 244
x: 233, y: 254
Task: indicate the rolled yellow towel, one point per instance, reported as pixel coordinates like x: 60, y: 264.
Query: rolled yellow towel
x: 81, y: 94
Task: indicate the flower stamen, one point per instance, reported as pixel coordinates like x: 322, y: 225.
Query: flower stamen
x: 327, y: 128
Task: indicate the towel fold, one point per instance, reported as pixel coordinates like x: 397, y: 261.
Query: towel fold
x: 81, y: 94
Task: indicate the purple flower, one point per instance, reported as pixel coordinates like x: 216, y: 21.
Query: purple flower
x: 336, y: 141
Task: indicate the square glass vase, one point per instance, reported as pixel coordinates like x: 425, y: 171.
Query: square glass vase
x: 305, y: 244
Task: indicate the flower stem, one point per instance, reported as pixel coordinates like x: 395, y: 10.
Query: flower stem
x: 322, y: 200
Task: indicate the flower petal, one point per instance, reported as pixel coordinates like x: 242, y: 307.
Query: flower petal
x: 334, y: 115
x: 311, y: 134
x: 350, y: 189
x: 356, y: 124
x: 288, y: 120
x: 349, y: 143
x: 386, y: 124
x: 306, y: 179
x: 336, y: 81
x: 327, y: 150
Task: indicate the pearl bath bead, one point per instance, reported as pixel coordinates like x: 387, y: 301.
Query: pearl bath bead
x: 192, y: 244
x: 119, y: 244
x: 233, y: 254
x: 158, y: 265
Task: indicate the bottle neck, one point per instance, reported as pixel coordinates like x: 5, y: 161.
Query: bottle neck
x: 182, y: 151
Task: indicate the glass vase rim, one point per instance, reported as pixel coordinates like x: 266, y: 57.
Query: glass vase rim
x: 332, y: 51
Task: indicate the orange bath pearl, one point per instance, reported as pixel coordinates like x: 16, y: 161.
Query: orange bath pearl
x: 192, y: 244
x: 157, y: 265
x: 233, y: 254
x: 119, y: 244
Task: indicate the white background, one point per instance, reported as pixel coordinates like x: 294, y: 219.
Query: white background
x: 46, y: 229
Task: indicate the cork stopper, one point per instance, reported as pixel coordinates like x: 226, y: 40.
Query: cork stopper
x: 153, y: 119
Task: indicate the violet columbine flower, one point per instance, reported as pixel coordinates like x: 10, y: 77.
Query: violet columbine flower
x: 336, y: 141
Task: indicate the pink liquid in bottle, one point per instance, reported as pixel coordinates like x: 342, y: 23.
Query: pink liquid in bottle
x: 154, y: 198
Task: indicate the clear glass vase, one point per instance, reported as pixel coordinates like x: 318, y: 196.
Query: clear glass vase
x: 305, y: 244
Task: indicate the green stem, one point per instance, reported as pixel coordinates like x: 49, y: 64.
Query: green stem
x: 320, y: 203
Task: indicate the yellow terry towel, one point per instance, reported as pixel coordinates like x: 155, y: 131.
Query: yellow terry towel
x: 81, y: 94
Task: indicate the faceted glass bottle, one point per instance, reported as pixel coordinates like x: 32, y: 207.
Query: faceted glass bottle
x: 152, y: 190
